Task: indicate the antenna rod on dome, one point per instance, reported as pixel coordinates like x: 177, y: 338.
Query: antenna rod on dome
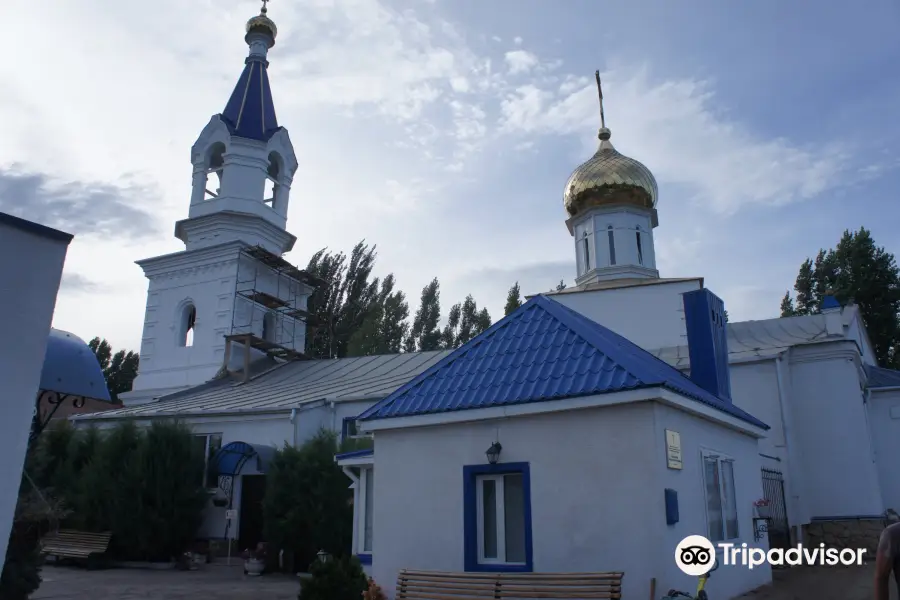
x: 600, y: 92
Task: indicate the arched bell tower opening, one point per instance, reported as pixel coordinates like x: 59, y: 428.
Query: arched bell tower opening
x: 187, y: 325
x: 215, y: 165
x: 272, y: 192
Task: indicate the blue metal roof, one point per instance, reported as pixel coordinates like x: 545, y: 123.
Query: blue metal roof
x: 879, y: 377
x: 71, y: 367
x: 250, y: 112
x: 542, y: 351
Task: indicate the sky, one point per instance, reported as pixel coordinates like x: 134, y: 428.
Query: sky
x: 443, y: 131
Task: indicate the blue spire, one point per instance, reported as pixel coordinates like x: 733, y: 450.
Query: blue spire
x: 250, y: 112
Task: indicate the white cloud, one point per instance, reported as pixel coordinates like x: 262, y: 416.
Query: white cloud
x: 520, y: 61
x: 386, y: 108
x: 673, y: 127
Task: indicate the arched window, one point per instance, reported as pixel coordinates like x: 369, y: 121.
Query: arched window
x: 586, y: 250
x: 186, y: 326
x: 273, y: 177
x: 215, y: 162
x: 639, y: 247
x: 612, y: 245
x: 268, y: 328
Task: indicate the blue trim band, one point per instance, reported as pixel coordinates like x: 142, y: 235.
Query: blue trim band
x: 355, y: 454
x: 365, y: 559
x: 470, y: 516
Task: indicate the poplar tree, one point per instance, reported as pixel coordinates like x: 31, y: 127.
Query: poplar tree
x: 119, y: 369
x: 513, y: 300
x: 425, y: 335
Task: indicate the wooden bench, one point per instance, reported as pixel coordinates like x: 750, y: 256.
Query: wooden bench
x: 68, y: 543
x: 438, y: 585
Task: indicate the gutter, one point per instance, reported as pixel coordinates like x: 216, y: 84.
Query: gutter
x: 886, y: 388
x: 308, y: 405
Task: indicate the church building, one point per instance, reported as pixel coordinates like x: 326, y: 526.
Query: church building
x: 591, y: 429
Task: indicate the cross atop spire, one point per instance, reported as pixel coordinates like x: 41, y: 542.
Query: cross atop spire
x: 264, y: 10
x: 604, y: 134
x: 600, y: 93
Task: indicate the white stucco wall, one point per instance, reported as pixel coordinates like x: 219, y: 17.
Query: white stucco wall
x: 209, y: 279
x: 36, y: 261
x: 651, y: 316
x: 698, y: 435
x: 209, y: 284
x: 597, y: 483
x: 832, y: 432
x: 884, y: 420
x: 755, y: 388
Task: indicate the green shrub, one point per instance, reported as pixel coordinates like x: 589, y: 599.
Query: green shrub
x: 339, y: 578
x: 307, y: 507
x: 35, y: 514
x: 143, y: 485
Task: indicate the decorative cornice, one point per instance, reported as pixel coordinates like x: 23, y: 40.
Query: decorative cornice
x: 617, y: 272
x: 241, y: 222
x: 827, y: 349
x: 186, y: 259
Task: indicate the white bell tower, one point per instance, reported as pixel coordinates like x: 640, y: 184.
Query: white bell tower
x: 230, y: 282
x: 611, y: 203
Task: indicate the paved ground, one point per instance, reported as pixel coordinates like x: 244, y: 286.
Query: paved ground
x: 229, y: 583
x: 820, y: 583
x: 216, y: 581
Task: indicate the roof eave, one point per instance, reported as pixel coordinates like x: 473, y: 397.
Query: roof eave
x: 649, y: 394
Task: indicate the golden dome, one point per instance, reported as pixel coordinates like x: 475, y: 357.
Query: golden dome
x: 609, y: 178
x: 262, y: 22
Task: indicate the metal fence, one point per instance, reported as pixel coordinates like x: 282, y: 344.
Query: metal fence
x: 778, y: 527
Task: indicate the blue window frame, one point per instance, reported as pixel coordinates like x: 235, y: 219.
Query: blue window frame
x: 497, y: 517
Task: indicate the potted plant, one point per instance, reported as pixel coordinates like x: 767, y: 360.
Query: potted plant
x: 255, y: 560
x: 374, y: 592
x: 762, y: 509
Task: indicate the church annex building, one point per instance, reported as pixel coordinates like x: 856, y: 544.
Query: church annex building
x: 590, y: 430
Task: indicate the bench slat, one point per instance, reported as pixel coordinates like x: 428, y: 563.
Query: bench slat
x: 68, y: 543
x: 443, y: 585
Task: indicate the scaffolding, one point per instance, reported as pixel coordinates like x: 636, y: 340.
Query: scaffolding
x: 270, y: 317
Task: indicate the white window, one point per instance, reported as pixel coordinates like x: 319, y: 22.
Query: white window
x: 640, y: 248
x: 367, y: 502
x: 721, y: 505
x: 208, y: 444
x: 610, y: 234
x: 500, y: 502
x: 586, y: 250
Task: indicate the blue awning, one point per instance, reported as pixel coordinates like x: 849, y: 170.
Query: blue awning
x: 71, y: 368
x: 232, y: 457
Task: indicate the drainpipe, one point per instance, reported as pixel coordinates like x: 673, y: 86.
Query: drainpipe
x: 867, y: 397
x: 294, y: 426
x: 333, y: 416
x: 791, y: 482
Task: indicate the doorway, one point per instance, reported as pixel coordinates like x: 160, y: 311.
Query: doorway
x: 253, y: 492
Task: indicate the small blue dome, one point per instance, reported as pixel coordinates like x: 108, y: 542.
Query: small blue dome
x: 71, y: 367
